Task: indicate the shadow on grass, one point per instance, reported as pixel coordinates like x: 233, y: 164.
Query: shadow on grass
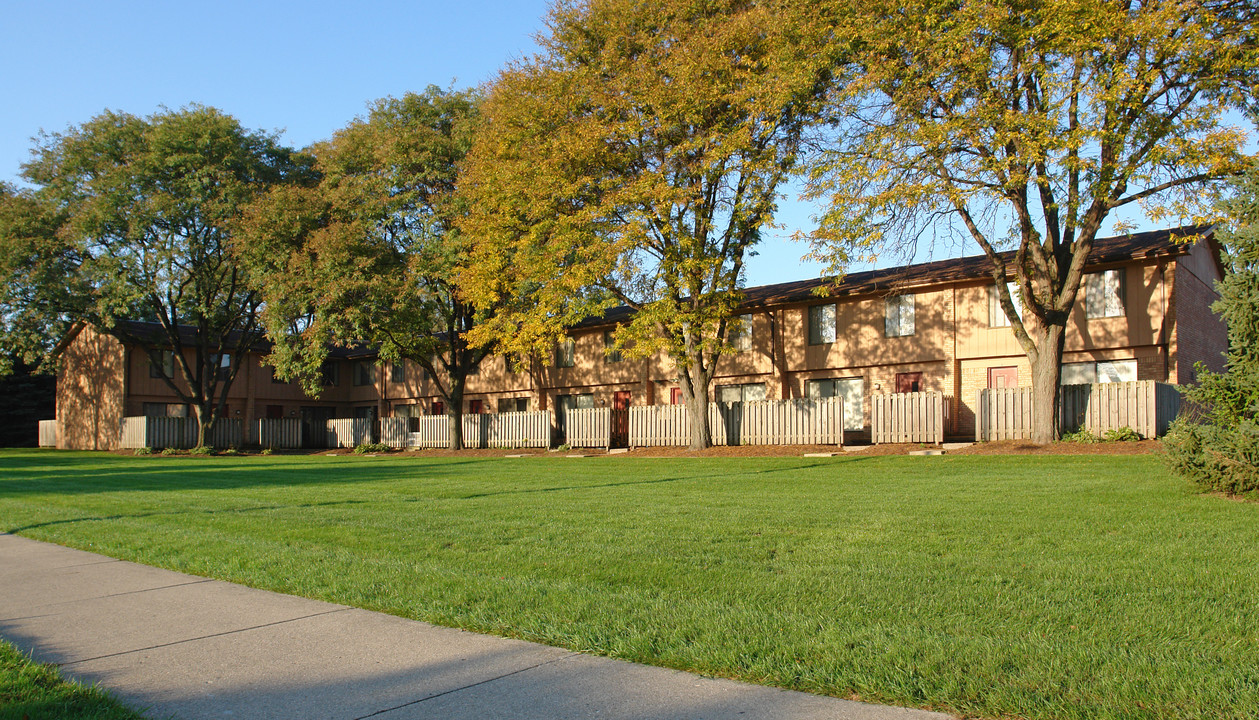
x: 24, y: 473
x: 161, y: 513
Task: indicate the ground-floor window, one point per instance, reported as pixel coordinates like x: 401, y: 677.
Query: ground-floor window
x: 1101, y: 371
x: 513, y: 404
x: 852, y: 390
x: 747, y: 392
x: 165, y: 410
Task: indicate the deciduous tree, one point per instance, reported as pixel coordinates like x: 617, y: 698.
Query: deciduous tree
x: 129, y: 218
x: 1025, y: 126
x: 636, y: 161
x: 369, y: 254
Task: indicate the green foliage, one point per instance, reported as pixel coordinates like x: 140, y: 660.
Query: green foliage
x: 1082, y: 436
x: 267, y: 451
x: 170, y: 451
x: 131, y: 218
x: 637, y: 161
x: 146, y: 450
x: 1219, y: 458
x: 1123, y: 434
x: 229, y: 451
x: 1216, y: 446
x: 366, y: 448
x: 370, y: 253
x: 201, y: 450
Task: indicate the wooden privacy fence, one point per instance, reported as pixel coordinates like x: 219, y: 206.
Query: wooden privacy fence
x: 799, y: 421
x: 177, y: 432
x: 1146, y: 406
x: 350, y: 432
x: 908, y: 417
x: 395, y: 432
x: 499, y: 430
x: 1004, y: 414
x: 48, y: 433
x: 280, y: 433
x: 588, y: 427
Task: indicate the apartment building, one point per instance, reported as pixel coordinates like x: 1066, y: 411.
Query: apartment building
x: 1143, y: 314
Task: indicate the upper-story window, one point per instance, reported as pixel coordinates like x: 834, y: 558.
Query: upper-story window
x: 741, y: 332
x: 222, y: 365
x: 1103, y: 294
x: 167, y: 366
x: 364, y: 372
x: 397, y: 372
x: 611, y: 353
x: 566, y: 353
x: 899, y: 320
x: 821, y: 324
x: 997, y: 316
x: 331, y: 372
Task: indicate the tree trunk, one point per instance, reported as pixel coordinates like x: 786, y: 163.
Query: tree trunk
x: 1046, y: 374
x: 454, y: 412
x: 697, y: 409
x: 205, y: 425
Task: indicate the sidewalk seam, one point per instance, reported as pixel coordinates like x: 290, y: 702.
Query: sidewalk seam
x: 467, y: 687
x: 202, y: 637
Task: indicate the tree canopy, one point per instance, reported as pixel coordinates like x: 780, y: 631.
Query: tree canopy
x: 636, y: 161
x: 369, y: 254
x: 1025, y: 126
x: 130, y: 218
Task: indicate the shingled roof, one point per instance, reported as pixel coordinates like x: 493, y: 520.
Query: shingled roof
x: 1156, y: 243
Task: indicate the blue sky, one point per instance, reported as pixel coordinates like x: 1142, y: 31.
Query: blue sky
x: 306, y: 69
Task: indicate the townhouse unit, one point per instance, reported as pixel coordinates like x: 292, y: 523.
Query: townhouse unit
x: 1143, y: 314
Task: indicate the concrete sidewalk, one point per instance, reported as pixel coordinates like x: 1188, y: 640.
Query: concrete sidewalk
x: 195, y: 648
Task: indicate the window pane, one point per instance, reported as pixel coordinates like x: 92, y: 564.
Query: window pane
x: 996, y: 315
x: 899, y: 320
x: 1117, y: 371
x: 754, y: 392
x: 1078, y: 373
x: 819, y: 389
x: 730, y: 394
x: 821, y: 324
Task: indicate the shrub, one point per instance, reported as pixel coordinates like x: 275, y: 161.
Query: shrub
x: 1081, y: 436
x: 169, y: 451
x: 144, y: 450
x: 1215, y: 457
x: 229, y: 451
x: 201, y: 450
x: 370, y: 448
x: 266, y: 451
x: 1123, y: 434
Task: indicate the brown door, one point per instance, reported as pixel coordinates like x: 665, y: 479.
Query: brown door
x: 1003, y: 377
x: 675, y: 396
x: 620, y: 418
x: 476, y: 407
x: 275, y: 412
x: 908, y: 382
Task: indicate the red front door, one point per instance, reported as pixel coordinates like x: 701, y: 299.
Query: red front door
x: 908, y: 382
x: 620, y: 418
x: 1003, y: 377
x: 675, y: 396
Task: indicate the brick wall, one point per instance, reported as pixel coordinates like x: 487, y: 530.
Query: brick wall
x: 1201, y: 335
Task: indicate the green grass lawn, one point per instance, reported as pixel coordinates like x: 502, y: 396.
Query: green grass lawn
x: 30, y: 691
x: 1033, y: 587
